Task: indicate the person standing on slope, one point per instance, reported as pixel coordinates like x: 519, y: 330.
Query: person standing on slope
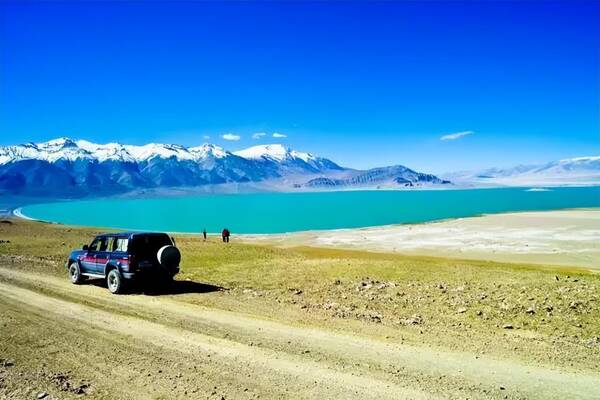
x: 225, y: 234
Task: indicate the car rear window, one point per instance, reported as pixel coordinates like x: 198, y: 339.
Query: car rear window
x: 146, y: 246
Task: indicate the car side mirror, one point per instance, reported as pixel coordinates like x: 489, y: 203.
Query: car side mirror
x: 85, y: 247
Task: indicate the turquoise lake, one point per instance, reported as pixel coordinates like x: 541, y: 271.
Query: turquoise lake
x: 289, y: 212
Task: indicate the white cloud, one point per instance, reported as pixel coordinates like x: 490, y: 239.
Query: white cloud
x: 279, y: 135
x: 457, y: 135
x: 231, y: 137
x: 206, y: 137
x: 258, y: 135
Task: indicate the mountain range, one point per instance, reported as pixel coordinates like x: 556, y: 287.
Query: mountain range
x: 65, y: 168
x: 569, y: 171
x: 77, y: 168
x: 387, y: 177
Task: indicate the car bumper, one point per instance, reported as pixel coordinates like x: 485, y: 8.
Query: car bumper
x: 148, y: 272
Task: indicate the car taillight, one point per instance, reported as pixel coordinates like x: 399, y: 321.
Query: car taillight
x: 132, y: 263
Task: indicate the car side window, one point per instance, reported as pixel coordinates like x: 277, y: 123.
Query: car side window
x: 99, y: 244
x: 103, y: 243
x: 95, y: 245
x: 110, y: 241
x: 121, y: 244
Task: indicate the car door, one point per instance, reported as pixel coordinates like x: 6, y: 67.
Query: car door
x: 119, y: 250
x: 103, y: 254
x: 88, y: 262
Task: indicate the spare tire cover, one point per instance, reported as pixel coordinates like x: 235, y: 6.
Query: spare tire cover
x: 169, y: 256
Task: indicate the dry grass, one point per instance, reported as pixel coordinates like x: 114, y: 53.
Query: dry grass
x: 457, y: 304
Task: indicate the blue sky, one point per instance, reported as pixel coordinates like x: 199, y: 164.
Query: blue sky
x: 366, y: 84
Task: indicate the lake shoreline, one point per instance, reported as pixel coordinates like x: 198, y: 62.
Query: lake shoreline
x: 569, y: 237
x: 524, y: 226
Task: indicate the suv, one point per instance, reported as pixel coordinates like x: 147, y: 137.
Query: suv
x: 121, y: 257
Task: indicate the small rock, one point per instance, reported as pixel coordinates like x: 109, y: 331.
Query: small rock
x: 462, y: 310
x: 42, y: 395
x: 574, y: 304
x: 530, y: 310
x: 507, y: 326
x: 479, y: 312
x: 376, y: 318
x: 414, y: 320
x: 593, y: 341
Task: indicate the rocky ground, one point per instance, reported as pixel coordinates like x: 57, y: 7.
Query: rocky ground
x: 247, y: 321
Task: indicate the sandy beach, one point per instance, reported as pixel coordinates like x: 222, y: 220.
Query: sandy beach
x: 563, y: 237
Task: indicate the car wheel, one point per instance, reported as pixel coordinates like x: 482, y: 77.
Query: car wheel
x: 75, y: 273
x: 114, y: 281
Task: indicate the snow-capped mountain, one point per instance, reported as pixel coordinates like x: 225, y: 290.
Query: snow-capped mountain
x: 65, y: 149
x: 274, y: 152
x: 578, y: 170
x: 64, y: 168
x: 279, y: 156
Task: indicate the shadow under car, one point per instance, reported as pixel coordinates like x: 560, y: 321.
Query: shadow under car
x: 155, y: 288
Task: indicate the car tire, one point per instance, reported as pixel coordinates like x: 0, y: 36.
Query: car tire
x: 114, y: 281
x: 75, y: 274
x: 169, y: 257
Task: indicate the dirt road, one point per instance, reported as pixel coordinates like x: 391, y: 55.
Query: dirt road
x: 138, y: 346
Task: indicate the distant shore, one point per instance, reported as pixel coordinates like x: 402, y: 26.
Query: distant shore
x: 568, y: 237
x: 17, y: 213
x: 562, y: 237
